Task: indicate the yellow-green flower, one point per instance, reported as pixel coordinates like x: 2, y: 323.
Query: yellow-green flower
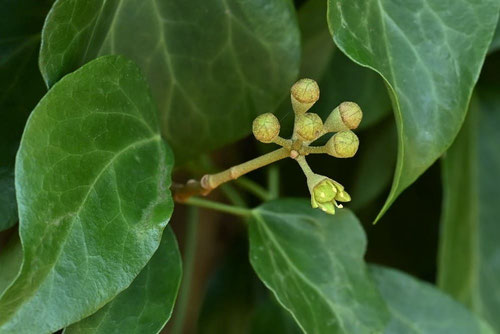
x: 326, y: 193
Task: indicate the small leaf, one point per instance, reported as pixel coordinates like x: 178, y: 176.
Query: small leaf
x: 313, y: 262
x: 92, y: 183
x: 430, y: 60
x: 146, y: 305
x: 213, y: 65
x: 468, y: 254
x: 418, y: 307
x: 11, y: 256
x: 21, y: 87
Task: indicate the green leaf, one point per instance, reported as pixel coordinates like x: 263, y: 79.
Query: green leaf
x: 213, y: 65
x: 92, y: 183
x: 418, y: 307
x: 339, y: 79
x: 21, y: 87
x: 376, y: 161
x: 313, y: 262
x: 468, y: 256
x: 146, y: 305
x: 230, y: 295
x: 11, y: 256
x: 430, y: 53
x: 270, y: 317
x: 495, y: 43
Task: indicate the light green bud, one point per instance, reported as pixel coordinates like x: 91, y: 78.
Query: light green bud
x: 304, y: 94
x: 343, y: 144
x: 346, y: 116
x: 326, y: 193
x: 308, y: 126
x: 266, y: 128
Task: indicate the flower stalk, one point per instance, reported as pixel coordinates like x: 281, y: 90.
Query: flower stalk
x: 325, y: 192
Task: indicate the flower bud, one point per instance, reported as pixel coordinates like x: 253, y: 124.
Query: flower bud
x: 266, y: 127
x: 346, y: 116
x: 304, y: 94
x: 308, y: 126
x: 343, y: 144
x: 326, y: 192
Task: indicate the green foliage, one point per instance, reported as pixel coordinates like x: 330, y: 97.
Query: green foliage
x: 246, y: 54
x: 430, y: 82
x: 98, y: 96
x: 325, y: 282
x: 468, y: 266
x: 146, y: 305
x: 93, y: 198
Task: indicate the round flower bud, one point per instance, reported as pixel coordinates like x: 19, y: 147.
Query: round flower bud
x: 346, y: 116
x: 343, y: 144
x: 266, y: 127
x: 308, y: 126
x: 304, y: 94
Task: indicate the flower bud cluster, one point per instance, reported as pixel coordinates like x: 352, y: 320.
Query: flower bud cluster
x: 325, y: 192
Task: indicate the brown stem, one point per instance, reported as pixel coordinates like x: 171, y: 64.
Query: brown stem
x: 211, y: 181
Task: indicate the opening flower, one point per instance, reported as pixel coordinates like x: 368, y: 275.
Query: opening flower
x: 326, y: 192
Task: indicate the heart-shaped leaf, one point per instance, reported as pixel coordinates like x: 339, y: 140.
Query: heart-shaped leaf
x: 213, y: 65
x: 146, y: 305
x: 469, y: 266
x: 313, y: 262
x: 430, y: 53
x: 92, y: 184
x: 21, y: 87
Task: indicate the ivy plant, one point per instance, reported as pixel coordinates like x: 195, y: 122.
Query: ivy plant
x: 218, y: 166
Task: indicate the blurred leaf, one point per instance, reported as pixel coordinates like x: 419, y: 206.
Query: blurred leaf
x: 495, y: 43
x: 231, y: 294
x: 146, y: 305
x: 21, y: 87
x: 430, y: 60
x: 418, y: 307
x: 213, y: 65
x: 313, y: 262
x: 11, y: 256
x: 376, y: 159
x: 339, y: 78
x: 93, y: 197
x: 469, y: 254
x: 270, y: 317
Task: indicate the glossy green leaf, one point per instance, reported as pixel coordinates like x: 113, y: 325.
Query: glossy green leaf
x: 92, y: 184
x: 21, y: 86
x: 146, y: 305
x: 213, y: 65
x: 469, y: 268
x: 313, y: 262
x: 339, y: 79
x: 419, y: 307
x: 430, y: 53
